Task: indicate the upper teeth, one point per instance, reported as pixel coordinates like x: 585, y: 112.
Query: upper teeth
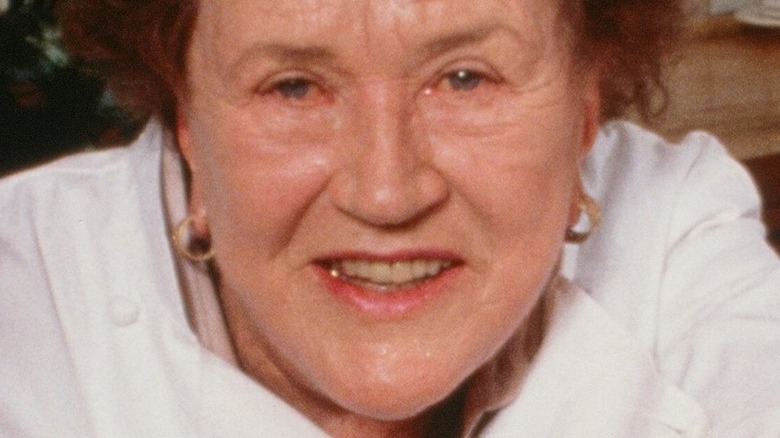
x: 389, y: 273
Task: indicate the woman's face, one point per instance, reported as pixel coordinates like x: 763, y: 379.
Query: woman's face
x: 386, y: 184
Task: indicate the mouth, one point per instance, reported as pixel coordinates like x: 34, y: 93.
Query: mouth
x: 387, y: 276
x: 390, y: 286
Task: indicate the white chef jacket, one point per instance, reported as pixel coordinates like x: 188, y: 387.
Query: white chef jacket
x: 667, y: 324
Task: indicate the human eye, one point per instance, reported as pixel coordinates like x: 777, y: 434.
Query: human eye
x: 293, y: 88
x: 464, y: 93
x: 296, y: 90
x: 464, y: 80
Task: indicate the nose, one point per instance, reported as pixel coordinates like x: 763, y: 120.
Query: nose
x: 387, y: 175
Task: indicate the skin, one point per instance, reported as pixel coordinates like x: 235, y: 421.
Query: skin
x: 409, y: 132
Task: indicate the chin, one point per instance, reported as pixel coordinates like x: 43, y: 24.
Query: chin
x: 407, y: 395
x: 393, y: 406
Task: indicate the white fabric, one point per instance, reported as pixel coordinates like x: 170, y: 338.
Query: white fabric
x: 669, y: 325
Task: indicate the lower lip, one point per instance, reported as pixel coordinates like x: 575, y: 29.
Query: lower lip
x: 388, y: 305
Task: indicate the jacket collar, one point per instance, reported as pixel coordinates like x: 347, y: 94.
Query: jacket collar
x: 591, y: 378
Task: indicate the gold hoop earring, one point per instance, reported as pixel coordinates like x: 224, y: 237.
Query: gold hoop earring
x: 592, y: 210
x: 195, y: 250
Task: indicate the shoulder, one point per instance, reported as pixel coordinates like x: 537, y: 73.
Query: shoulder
x: 54, y: 217
x: 681, y: 261
x: 64, y: 227
x: 51, y: 214
x: 87, y: 185
x: 612, y: 369
x: 73, y: 168
x: 90, y: 173
x: 626, y: 156
x: 660, y: 201
x: 662, y: 196
x: 72, y: 241
x: 645, y: 182
x: 38, y: 208
x: 39, y: 204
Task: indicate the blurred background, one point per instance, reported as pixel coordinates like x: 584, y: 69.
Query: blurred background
x: 47, y: 107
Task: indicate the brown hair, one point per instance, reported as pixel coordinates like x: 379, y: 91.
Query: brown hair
x: 140, y: 48
x: 629, y: 38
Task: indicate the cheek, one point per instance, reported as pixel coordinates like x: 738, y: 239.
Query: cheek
x: 256, y: 187
x: 515, y: 158
x: 519, y: 179
x: 517, y: 187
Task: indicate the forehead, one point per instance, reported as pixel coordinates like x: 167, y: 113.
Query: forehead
x: 326, y: 21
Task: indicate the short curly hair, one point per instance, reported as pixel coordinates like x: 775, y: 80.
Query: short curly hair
x: 140, y: 48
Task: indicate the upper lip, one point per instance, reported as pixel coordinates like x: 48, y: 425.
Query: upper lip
x: 390, y: 257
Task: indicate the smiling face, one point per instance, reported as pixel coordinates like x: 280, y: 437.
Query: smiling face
x: 386, y: 183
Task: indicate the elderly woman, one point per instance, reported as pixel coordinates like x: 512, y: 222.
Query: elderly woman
x: 378, y: 218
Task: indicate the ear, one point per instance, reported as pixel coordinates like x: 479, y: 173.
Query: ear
x: 574, y: 205
x: 183, y: 134
x: 591, y: 97
x: 591, y: 101
x: 196, y: 198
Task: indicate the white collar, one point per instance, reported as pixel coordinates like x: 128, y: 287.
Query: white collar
x: 592, y: 378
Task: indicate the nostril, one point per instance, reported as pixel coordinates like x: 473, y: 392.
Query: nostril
x: 389, y: 200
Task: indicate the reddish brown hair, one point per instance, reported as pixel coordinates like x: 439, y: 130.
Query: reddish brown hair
x: 140, y: 48
x: 628, y: 39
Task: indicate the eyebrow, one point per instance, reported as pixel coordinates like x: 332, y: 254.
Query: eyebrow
x: 287, y: 53
x: 468, y: 37
x: 300, y: 54
x: 282, y: 53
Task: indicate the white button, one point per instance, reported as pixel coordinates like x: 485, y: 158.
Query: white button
x: 123, y: 311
